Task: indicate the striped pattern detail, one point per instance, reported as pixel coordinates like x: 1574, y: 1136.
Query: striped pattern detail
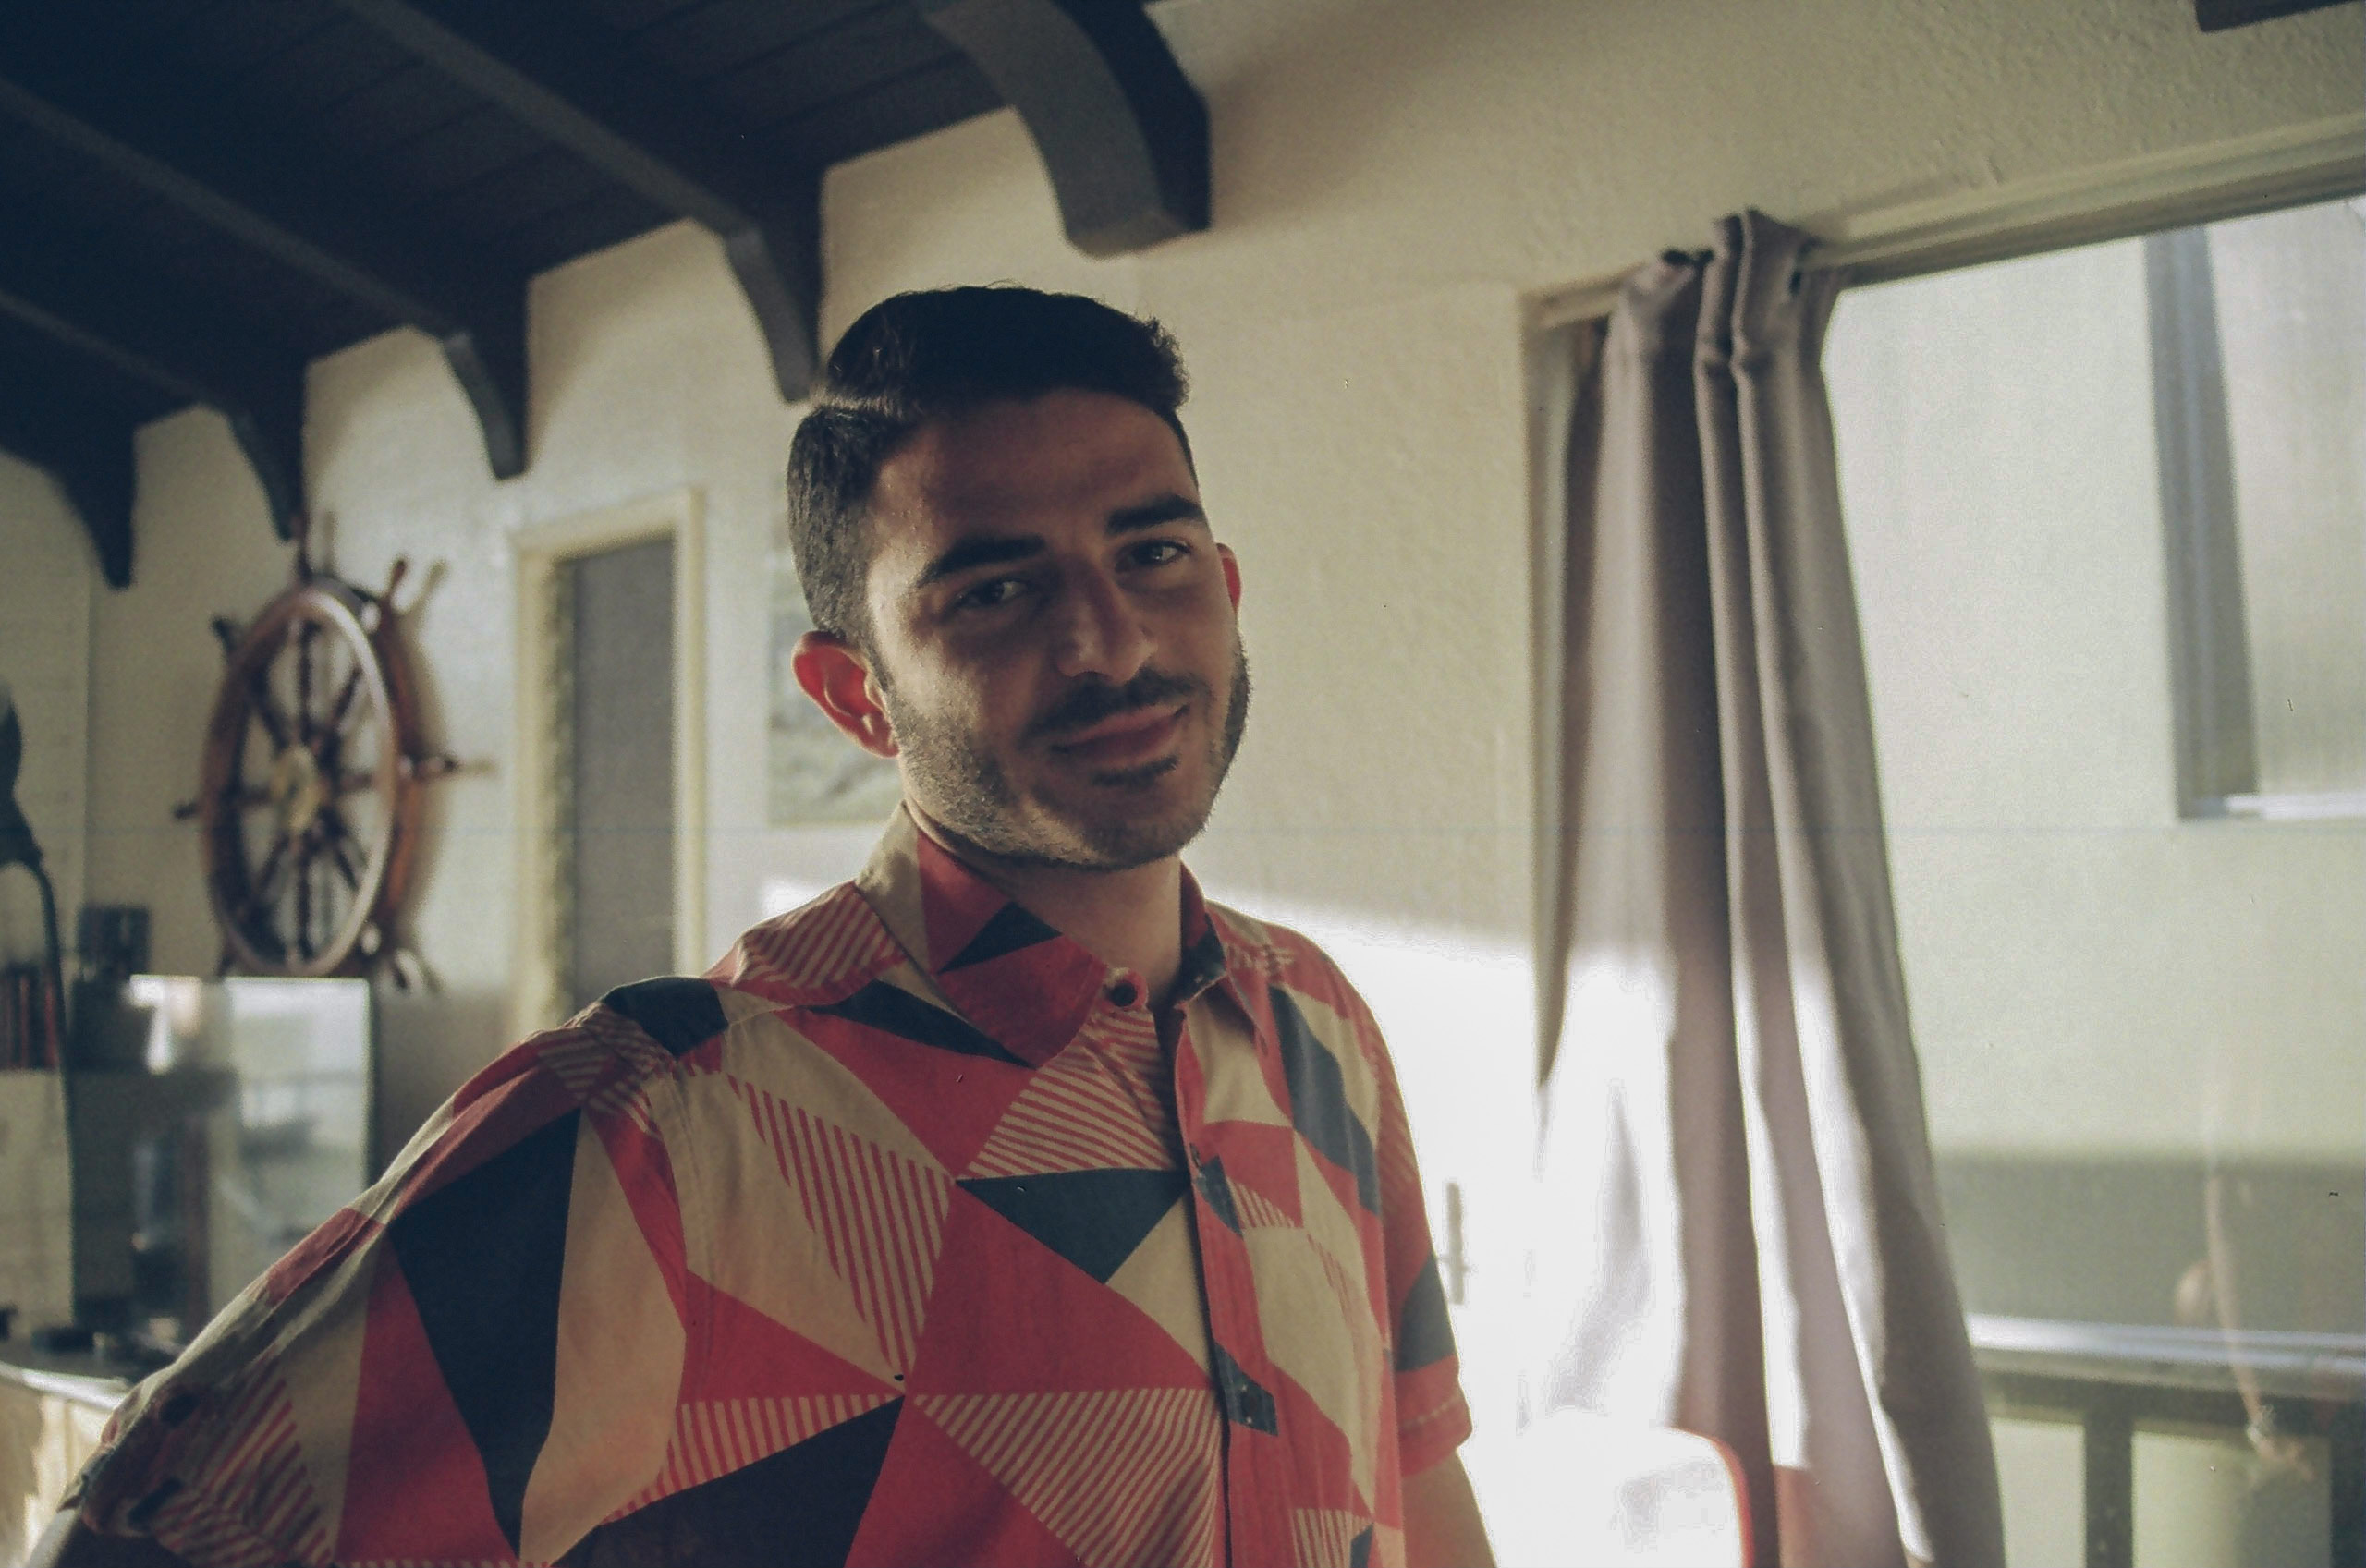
x: 715, y: 1436
x: 1257, y: 1210
x: 819, y: 948
x: 1075, y: 1114
x: 607, y: 1063
x: 1326, y: 1538
x: 1127, y: 1039
x: 880, y: 1217
x: 1123, y: 1476
x: 249, y: 1503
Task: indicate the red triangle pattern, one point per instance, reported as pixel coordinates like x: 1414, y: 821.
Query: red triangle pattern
x: 1128, y: 1476
x: 993, y: 1279
x: 934, y: 1503
x: 404, y: 1423
x: 949, y: 1102
x: 644, y: 1173
x: 1259, y: 1159
x: 751, y: 1355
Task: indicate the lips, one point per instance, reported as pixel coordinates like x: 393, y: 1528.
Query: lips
x: 1135, y: 736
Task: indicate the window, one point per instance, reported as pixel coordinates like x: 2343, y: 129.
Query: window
x: 2105, y: 510
x: 2259, y: 369
x: 611, y: 739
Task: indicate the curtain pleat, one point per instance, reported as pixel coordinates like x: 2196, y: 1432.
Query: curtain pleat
x: 1748, y: 1241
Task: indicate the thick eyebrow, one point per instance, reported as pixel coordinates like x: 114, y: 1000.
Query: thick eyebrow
x: 1153, y: 514
x: 971, y: 554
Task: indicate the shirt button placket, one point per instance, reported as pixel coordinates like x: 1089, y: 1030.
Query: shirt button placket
x: 1230, y: 1297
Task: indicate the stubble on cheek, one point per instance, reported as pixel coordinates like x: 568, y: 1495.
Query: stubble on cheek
x: 961, y: 784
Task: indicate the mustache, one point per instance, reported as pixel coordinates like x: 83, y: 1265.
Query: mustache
x: 1089, y: 705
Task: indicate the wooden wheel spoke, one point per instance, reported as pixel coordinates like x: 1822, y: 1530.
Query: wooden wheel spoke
x: 259, y: 910
x: 265, y: 709
x: 335, y: 722
x: 305, y: 632
x: 339, y: 836
x: 260, y: 887
x: 246, y: 797
x: 304, y: 852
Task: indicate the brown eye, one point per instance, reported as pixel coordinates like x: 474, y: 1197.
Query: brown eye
x: 1159, y: 552
x: 987, y: 595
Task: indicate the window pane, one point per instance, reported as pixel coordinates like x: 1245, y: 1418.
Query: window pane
x: 2291, y: 307
x: 2143, y: 1036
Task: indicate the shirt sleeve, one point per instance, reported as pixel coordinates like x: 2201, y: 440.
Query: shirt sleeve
x: 1432, y: 1419
x: 476, y: 1361
x: 1432, y: 1416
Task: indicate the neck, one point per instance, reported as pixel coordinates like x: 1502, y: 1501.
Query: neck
x: 1132, y: 918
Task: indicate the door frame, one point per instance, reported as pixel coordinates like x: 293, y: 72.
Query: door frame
x: 538, y: 998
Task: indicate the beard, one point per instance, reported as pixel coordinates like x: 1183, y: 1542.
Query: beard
x: 1119, y: 824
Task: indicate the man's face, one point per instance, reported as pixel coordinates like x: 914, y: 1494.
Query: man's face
x: 1054, y: 638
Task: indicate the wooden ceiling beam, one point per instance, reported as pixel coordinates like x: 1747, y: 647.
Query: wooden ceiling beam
x: 251, y: 190
x: 113, y: 321
x: 556, y: 73
x: 1122, y: 132
x: 87, y: 450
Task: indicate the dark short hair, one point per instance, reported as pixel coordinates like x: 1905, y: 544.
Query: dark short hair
x: 924, y: 357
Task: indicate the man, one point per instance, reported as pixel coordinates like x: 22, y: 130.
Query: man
x: 1008, y: 1205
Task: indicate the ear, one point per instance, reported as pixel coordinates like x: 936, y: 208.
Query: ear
x: 1231, y: 573
x: 832, y: 672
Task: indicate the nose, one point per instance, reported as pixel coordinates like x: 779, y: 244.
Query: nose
x: 1101, y: 630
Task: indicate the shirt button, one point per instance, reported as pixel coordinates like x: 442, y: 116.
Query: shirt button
x: 1123, y: 993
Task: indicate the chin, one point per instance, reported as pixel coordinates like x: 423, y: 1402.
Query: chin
x: 1133, y: 830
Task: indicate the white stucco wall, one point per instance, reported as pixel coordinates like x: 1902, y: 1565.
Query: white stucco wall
x: 1390, y: 179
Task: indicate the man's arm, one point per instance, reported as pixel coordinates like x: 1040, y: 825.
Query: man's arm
x: 68, y: 1543
x: 1442, y: 1523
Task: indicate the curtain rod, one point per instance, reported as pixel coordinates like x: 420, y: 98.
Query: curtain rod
x: 2317, y: 160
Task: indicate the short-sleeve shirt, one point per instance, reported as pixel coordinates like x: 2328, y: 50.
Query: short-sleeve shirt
x: 913, y: 1233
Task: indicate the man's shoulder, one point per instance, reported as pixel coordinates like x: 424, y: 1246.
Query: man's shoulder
x: 815, y: 956
x: 1268, y: 955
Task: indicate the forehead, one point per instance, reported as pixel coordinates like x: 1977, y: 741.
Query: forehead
x: 1024, y: 467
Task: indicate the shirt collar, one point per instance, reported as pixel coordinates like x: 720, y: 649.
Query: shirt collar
x: 1002, y: 967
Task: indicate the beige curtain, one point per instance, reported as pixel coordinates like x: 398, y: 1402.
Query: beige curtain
x: 1745, y: 1238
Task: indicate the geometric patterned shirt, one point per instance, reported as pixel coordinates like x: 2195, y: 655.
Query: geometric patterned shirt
x: 911, y: 1233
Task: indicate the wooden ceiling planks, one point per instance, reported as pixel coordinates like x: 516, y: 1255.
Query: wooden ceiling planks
x: 247, y: 183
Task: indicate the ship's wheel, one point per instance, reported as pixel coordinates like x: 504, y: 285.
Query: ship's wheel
x: 310, y: 793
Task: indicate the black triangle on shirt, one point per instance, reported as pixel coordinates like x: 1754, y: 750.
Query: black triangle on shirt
x: 483, y: 1258
x: 798, y: 1508
x: 678, y: 1012
x: 1094, y: 1218
x: 1011, y: 928
x: 895, y: 1011
x: 1318, y: 1100
x: 1424, y: 1334
x: 1215, y: 1191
